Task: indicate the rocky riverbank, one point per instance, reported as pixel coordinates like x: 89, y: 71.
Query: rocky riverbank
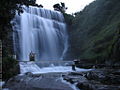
x: 98, y: 79
x: 95, y: 79
x: 29, y: 81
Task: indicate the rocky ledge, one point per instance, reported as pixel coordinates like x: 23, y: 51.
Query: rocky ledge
x: 29, y: 81
x: 97, y: 79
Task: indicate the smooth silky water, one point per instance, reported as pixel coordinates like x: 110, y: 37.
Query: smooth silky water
x: 40, y: 31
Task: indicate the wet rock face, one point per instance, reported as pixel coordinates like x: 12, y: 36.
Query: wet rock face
x: 85, y: 86
x: 74, y: 79
x: 104, y: 79
x: 29, y: 74
x: 99, y: 79
x: 109, y: 77
x: 30, y: 81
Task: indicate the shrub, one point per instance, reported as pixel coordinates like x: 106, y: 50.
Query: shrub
x: 10, y: 68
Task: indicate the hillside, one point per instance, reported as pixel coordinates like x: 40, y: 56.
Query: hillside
x: 95, y: 31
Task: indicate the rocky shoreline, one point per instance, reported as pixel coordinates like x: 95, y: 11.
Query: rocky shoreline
x: 29, y: 81
x: 97, y: 79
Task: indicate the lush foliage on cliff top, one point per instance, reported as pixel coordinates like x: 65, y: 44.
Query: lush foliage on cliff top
x: 95, y: 31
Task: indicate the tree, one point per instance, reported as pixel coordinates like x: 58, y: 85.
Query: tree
x: 60, y: 7
x: 8, y: 9
x: 7, y: 12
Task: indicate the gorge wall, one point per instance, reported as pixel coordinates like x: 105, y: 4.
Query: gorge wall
x: 95, y: 31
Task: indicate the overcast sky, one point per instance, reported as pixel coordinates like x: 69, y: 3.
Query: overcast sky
x: 73, y: 5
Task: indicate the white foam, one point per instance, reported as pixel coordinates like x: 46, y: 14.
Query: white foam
x: 32, y: 67
x: 28, y: 67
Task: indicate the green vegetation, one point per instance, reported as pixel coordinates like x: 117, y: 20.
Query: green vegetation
x: 60, y: 7
x: 95, y: 31
x: 10, y: 68
x: 8, y: 9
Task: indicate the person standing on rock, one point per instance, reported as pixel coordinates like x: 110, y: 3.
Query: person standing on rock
x: 73, y: 66
x: 32, y: 56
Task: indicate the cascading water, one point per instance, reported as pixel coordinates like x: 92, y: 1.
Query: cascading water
x: 41, y: 31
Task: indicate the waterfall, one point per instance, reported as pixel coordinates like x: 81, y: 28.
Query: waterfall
x: 41, y: 31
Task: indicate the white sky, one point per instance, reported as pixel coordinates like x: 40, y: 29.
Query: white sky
x: 73, y: 5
